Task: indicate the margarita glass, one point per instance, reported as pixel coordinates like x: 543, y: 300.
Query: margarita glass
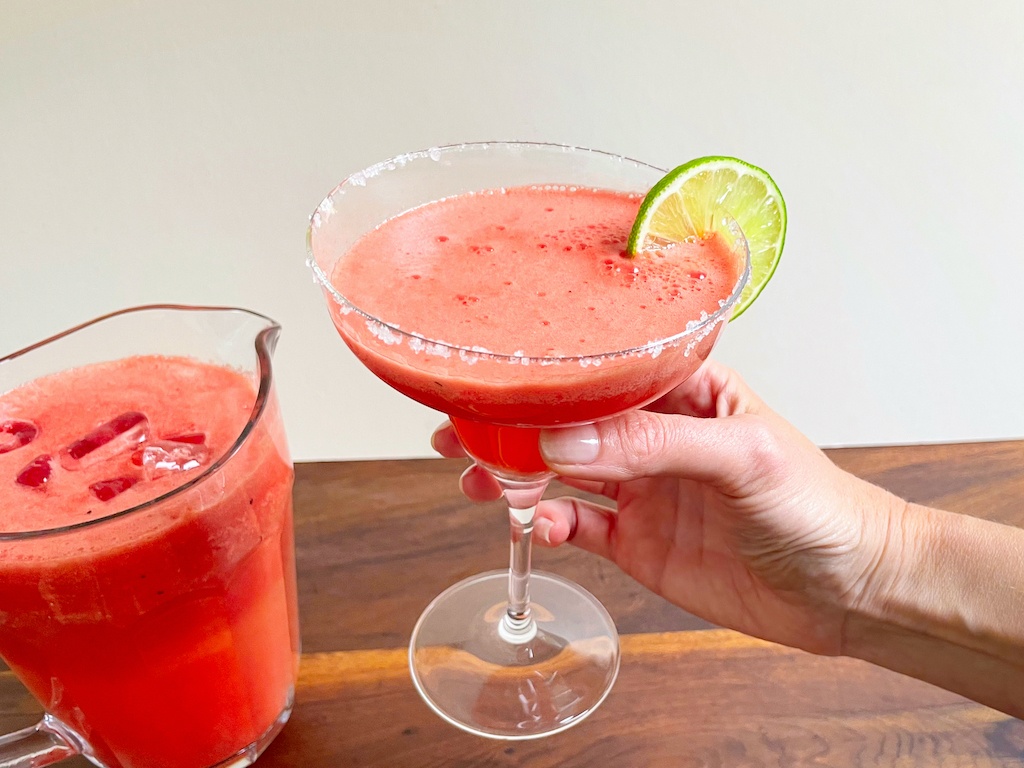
x: 507, y: 654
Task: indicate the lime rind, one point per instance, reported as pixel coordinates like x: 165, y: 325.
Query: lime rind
x: 689, y: 201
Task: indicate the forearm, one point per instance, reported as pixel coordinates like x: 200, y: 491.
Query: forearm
x: 948, y: 607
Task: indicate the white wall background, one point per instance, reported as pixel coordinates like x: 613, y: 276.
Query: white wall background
x: 171, y: 152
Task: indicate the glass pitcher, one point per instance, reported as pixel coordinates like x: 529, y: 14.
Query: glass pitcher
x: 147, y: 577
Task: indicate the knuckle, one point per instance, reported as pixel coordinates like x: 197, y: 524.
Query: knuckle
x: 764, y: 447
x: 639, y: 436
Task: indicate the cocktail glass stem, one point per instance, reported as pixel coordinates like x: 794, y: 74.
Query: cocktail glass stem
x: 522, y: 497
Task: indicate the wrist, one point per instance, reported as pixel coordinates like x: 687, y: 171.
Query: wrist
x: 889, y: 534
x: 897, y: 563
x: 952, y: 577
x: 945, y: 605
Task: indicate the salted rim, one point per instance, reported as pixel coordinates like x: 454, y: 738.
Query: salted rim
x: 262, y: 342
x: 396, y: 163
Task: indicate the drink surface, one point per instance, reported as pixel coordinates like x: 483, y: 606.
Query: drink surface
x: 532, y: 272
x: 167, y: 637
x: 204, y: 406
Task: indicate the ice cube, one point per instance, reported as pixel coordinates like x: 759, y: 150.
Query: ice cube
x: 119, y: 435
x: 162, y: 457
x: 194, y: 438
x: 36, y: 473
x: 16, y: 433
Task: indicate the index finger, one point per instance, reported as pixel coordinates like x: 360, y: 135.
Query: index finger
x: 446, y: 442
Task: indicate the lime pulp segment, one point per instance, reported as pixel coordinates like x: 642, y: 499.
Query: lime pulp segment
x: 690, y: 200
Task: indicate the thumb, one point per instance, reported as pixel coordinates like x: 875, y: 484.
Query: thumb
x: 645, y: 444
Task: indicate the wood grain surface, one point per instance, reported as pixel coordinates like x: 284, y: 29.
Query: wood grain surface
x: 376, y: 541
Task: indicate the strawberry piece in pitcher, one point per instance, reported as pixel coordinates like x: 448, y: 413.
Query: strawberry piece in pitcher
x: 36, y: 473
x: 105, y: 490
x: 16, y: 433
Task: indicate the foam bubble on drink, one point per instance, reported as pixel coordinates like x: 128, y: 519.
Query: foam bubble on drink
x: 16, y: 433
x: 122, y: 434
x: 163, y: 457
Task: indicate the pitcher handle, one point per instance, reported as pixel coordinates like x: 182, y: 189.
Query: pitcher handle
x: 41, y: 744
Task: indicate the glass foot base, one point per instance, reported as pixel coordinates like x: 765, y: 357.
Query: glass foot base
x: 490, y: 683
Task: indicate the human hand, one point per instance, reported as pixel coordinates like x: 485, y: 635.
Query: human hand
x: 721, y: 506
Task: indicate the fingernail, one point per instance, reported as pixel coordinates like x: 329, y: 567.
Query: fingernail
x: 542, y: 527
x: 434, y: 435
x: 572, y: 445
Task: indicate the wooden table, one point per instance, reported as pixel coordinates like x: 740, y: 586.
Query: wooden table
x: 378, y: 540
